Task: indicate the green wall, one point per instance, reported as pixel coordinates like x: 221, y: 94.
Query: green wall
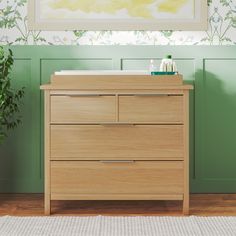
x: 212, y: 108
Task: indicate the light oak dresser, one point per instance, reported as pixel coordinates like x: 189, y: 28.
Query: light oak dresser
x: 116, y: 137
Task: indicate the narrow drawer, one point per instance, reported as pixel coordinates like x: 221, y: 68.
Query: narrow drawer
x: 82, y: 108
x: 98, y: 179
x: 96, y: 142
x: 151, y: 108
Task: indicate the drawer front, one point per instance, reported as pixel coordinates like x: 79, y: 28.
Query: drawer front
x: 78, y: 108
x: 98, y: 142
x: 147, y: 108
x: 94, y: 177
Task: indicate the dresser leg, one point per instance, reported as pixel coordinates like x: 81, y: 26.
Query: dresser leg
x: 186, y: 205
x: 47, y: 205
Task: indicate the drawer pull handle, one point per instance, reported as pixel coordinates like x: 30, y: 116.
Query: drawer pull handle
x: 117, y: 161
x: 83, y: 95
x: 152, y: 95
x: 116, y: 124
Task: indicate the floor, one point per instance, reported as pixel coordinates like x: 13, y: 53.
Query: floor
x: 200, y: 204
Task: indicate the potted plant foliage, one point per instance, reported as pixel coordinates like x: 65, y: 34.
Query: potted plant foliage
x: 10, y: 98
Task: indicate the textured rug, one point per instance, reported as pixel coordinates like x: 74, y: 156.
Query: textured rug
x: 117, y: 226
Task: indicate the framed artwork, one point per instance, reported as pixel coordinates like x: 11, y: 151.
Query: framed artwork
x: 117, y: 14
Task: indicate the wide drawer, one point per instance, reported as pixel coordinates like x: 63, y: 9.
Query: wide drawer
x: 101, y: 180
x: 83, y: 108
x: 158, y: 108
x: 96, y: 142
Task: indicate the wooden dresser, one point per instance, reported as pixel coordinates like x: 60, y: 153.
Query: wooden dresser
x: 116, y: 137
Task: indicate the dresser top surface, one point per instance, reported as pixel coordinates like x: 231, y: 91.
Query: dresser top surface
x: 115, y: 82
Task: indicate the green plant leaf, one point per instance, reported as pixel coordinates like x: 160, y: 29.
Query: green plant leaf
x: 10, y: 99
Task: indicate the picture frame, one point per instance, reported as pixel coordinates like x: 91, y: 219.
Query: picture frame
x: 63, y: 15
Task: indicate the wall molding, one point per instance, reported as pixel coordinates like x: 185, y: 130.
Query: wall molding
x: 26, y: 174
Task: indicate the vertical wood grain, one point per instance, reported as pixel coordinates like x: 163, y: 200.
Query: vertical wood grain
x: 186, y: 153
x: 47, y: 195
x: 117, y: 108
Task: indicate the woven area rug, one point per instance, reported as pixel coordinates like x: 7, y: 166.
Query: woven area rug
x: 117, y: 226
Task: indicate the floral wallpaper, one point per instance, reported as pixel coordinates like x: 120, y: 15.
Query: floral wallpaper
x: 221, y: 30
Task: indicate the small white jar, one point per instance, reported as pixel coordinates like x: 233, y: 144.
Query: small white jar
x: 168, y: 65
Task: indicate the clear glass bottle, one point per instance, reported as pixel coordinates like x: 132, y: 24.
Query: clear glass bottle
x: 152, y: 66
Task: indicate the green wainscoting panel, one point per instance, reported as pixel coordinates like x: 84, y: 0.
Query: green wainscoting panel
x: 19, y: 162
x: 210, y: 69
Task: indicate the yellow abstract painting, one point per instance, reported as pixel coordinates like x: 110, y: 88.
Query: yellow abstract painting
x: 115, y: 9
x: 118, y: 14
